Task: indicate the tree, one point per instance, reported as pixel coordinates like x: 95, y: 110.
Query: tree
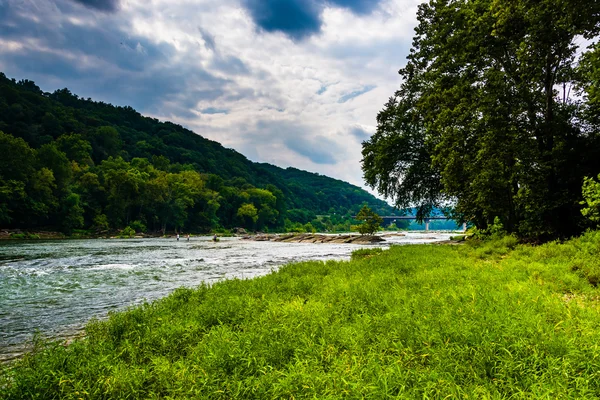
x: 71, y: 213
x: 371, y: 221
x: 16, y: 170
x: 106, y: 142
x: 248, y: 214
x: 76, y: 148
x: 478, y: 120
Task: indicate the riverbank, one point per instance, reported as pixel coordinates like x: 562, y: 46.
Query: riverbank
x: 317, y: 238
x: 479, y: 320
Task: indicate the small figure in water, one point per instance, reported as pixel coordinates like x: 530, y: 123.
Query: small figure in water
x: 188, y: 237
x: 178, y: 237
x: 215, y: 238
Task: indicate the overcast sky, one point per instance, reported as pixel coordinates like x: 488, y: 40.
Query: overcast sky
x: 289, y: 82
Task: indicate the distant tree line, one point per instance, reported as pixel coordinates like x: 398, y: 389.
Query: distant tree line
x: 498, y: 115
x: 70, y: 163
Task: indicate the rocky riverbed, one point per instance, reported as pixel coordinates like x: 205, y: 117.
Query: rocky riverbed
x: 317, y: 238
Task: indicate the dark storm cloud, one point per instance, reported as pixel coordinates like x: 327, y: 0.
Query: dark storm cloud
x: 356, y: 6
x: 101, y: 5
x: 295, y: 18
x: 299, y: 19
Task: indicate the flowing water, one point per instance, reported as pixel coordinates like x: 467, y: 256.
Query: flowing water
x: 54, y: 287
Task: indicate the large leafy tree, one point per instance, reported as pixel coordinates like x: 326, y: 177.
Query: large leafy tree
x: 483, y: 118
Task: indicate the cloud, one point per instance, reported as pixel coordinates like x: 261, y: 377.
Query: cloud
x: 357, y: 6
x: 230, y: 65
x: 359, y: 133
x: 101, y: 5
x: 212, y: 110
x: 209, y: 40
x: 356, y: 93
x: 297, y: 19
x: 317, y: 149
x: 282, y: 141
x: 229, y: 73
x: 109, y: 64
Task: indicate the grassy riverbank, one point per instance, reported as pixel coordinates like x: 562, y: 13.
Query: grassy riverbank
x: 495, y: 320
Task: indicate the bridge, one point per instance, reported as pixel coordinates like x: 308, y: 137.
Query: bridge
x: 390, y: 219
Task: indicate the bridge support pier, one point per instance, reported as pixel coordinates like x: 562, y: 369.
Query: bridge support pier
x: 464, y: 226
x: 426, y: 225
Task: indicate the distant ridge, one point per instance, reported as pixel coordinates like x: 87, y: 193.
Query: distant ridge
x: 41, y: 118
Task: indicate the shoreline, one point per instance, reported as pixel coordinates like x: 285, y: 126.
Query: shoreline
x: 344, y: 326
x: 320, y: 237
x: 71, y: 332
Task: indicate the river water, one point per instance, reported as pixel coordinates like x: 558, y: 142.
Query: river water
x: 54, y: 287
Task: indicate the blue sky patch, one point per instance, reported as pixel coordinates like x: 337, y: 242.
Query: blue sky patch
x: 356, y: 93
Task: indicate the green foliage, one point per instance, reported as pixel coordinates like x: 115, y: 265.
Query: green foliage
x: 494, y: 231
x: 459, y: 238
x: 72, y: 213
x: 591, y: 199
x: 371, y: 221
x: 366, y: 253
x: 138, y: 226
x: 478, y: 120
x: 127, y: 232
x: 128, y: 167
x: 422, y: 321
x: 101, y: 222
x: 248, y: 214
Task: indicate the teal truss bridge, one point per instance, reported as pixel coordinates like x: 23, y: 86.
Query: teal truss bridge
x: 390, y: 219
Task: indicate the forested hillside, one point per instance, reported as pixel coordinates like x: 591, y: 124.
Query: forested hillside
x: 70, y: 163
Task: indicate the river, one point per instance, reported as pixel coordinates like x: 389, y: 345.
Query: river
x: 54, y: 287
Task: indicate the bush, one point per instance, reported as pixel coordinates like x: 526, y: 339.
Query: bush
x: 591, y: 197
x: 138, y: 226
x: 127, y: 232
x: 101, y: 222
x: 366, y: 253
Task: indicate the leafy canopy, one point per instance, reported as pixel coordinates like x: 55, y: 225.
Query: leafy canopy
x: 485, y: 117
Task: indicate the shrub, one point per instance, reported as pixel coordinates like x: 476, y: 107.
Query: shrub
x: 591, y: 199
x: 101, y: 222
x: 138, y: 226
x: 366, y: 253
x: 127, y: 232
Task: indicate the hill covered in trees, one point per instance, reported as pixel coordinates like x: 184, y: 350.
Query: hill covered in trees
x: 72, y: 163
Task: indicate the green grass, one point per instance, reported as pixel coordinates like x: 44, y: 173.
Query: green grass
x: 483, y: 320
